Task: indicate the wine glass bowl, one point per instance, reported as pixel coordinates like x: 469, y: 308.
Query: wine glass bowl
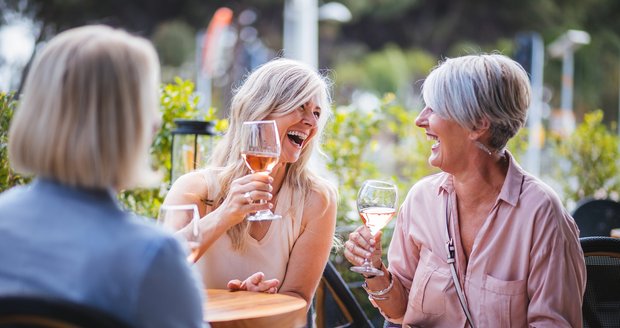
x: 183, y: 222
x: 260, y: 150
x: 376, y: 203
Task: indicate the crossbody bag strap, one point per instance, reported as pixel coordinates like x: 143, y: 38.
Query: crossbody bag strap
x: 451, y: 262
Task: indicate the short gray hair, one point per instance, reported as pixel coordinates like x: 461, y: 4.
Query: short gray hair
x: 471, y: 88
x: 89, y: 110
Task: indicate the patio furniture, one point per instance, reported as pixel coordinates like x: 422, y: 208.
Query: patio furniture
x: 229, y: 309
x: 597, y: 217
x: 601, y: 303
x: 335, y: 304
x: 43, y: 312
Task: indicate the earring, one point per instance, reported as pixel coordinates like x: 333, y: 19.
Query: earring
x: 483, y: 147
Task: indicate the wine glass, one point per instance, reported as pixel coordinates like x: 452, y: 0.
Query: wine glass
x: 182, y: 221
x: 261, y: 150
x: 376, y: 204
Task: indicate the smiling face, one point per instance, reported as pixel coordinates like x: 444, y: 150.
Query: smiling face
x: 453, y: 142
x: 296, y: 129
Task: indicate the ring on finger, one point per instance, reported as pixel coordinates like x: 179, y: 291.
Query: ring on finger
x: 248, y: 197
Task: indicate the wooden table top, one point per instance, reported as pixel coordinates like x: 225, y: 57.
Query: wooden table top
x: 224, y: 308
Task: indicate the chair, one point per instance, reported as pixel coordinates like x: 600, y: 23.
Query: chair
x: 601, y: 303
x: 596, y: 217
x: 42, y: 312
x: 335, y: 304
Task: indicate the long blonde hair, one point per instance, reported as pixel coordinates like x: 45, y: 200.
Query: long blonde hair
x: 276, y: 88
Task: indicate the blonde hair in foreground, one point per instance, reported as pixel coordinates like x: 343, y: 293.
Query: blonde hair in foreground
x: 276, y: 88
x: 89, y: 110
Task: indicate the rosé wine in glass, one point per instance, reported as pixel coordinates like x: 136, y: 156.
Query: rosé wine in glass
x: 260, y: 150
x: 376, y: 204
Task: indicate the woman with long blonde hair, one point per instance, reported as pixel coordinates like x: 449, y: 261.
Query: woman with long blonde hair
x: 286, y: 255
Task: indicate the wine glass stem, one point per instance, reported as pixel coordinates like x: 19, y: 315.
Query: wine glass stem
x: 367, y: 263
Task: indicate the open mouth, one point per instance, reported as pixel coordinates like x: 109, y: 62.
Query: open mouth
x: 434, y: 138
x: 297, y: 137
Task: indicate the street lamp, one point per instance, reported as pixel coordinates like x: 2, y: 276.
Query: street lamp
x: 565, y: 47
x: 192, y: 143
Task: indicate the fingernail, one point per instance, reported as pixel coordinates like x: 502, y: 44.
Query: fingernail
x: 270, y: 205
x: 368, y: 254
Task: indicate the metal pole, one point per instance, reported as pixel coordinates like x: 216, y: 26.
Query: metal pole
x: 203, y: 80
x: 301, y: 36
x: 568, y: 117
x: 535, y: 110
x: 567, y: 81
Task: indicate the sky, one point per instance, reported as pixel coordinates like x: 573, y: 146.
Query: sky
x: 16, y: 46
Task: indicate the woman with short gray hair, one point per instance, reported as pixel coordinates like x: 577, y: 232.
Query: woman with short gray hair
x: 483, y: 243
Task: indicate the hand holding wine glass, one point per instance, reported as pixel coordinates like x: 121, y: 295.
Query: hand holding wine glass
x: 183, y: 221
x: 376, y: 204
x: 261, y: 151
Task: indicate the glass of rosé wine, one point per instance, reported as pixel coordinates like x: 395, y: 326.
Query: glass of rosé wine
x: 261, y: 152
x: 182, y: 220
x: 376, y: 204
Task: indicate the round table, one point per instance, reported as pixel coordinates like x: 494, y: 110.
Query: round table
x: 224, y: 308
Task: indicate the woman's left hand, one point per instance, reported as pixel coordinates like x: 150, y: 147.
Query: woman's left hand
x: 255, y: 283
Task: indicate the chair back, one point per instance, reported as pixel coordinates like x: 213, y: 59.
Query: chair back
x: 596, y: 217
x: 335, y: 305
x: 43, y: 312
x: 601, y: 302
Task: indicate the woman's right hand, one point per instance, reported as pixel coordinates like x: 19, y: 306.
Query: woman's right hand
x: 237, y: 205
x: 363, y: 245
x: 255, y: 283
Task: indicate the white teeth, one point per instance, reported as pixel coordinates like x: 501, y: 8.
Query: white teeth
x: 298, y: 134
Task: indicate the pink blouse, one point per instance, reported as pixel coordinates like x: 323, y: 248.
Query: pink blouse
x: 526, y: 267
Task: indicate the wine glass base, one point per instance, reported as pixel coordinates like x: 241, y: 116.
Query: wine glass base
x: 366, y: 270
x: 264, y: 217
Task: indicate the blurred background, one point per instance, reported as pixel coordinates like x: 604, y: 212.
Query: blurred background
x: 373, y: 46
x: 377, y: 53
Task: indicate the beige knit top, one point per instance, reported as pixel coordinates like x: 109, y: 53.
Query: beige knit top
x: 270, y: 255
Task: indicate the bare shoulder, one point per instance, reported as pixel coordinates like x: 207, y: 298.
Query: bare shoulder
x: 321, y: 201
x: 191, y: 186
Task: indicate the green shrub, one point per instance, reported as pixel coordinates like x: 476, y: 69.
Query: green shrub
x: 589, y: 160
x: 177, y: 102
x: 8, y: 177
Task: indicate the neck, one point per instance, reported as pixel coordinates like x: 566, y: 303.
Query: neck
x: 483, y: 182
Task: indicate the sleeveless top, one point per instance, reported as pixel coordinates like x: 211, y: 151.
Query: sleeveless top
x: 221, y: 263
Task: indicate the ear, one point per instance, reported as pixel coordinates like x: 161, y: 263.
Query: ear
x: 480, y: 129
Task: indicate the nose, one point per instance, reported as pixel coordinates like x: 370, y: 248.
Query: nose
x: 309, y: 118
x: 422, y: 119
